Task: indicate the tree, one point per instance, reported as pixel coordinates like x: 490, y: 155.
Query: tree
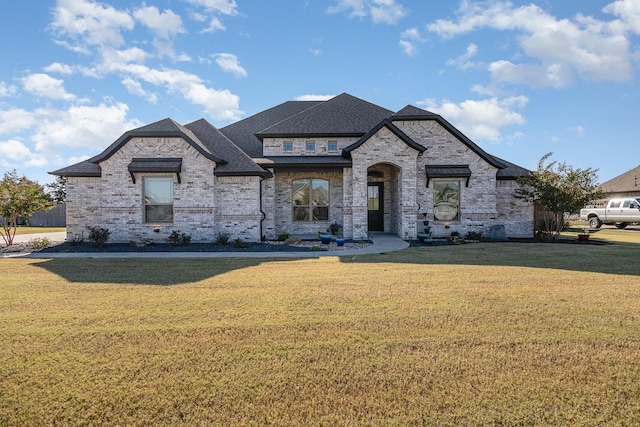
x: 58, y: 189
x: 19, y: 197
x: 558, y: 188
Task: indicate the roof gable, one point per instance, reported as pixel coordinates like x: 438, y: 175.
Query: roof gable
x: 393, y: 128
x: 343, y: 115
x: 418, y: 114
x: 165, y: 128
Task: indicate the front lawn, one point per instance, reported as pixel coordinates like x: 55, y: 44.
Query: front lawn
x: 476, y: 334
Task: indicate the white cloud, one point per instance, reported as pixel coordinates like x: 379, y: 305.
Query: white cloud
x: 91, y: 22
x: 483, y: 119
x: 311, y: 97
x: 7, y: 90
x: 229, y: 64
x: 14, y: 153
x: 409, y: 39
x: 136, y: 88
x: 381, y: 11
x: 80, y: 126
x: 59, y: 68
x: 578, y: 129
x: 463, y: 62
x: 46, y: 86
x: 219, y: 104
x: 583, y: 46
x: 15, y: 120
x: 224, y: 7
x: 215, y: 25
x: 164, y: 25
x: 629, y: 13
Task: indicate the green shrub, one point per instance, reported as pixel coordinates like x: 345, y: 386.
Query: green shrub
x: 283, y: 236
x: 179, y: 238
x: 238, y: 244
x: 222, y: 238
x: 39, y: 243
x: 473, y: 235
x: 99, y: 236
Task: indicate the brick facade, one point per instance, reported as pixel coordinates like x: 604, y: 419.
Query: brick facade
x: 258, y: 204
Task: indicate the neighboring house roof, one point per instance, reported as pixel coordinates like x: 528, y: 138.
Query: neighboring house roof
x: 628, y: 182
x: 393, y: 128
x: 343, y: 115
x: 237, y: 163
x: 243, y: 133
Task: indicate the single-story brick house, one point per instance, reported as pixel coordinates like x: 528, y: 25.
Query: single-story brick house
x: 296, y: 168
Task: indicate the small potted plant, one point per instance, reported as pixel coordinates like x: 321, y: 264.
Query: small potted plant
x: 584, y: 236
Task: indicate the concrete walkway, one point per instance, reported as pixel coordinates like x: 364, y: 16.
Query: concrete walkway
x: 382, y: 243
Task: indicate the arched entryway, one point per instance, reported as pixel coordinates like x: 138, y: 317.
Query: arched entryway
x: 383, y: 204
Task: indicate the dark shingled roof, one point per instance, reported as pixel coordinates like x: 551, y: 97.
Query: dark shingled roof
x: 84, y: 168
x: 343, y: 115
x: 510, y: 171
x: 233, y: 147
x: 242, y: 133
x: 411, y: 112
x: 237, y: 162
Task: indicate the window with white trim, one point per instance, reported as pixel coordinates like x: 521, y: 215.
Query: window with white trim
x: 332, y: 146
x: 310, y: 146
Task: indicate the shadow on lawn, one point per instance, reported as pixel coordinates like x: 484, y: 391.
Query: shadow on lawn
x: 596, y: 257
x: 147, y: 271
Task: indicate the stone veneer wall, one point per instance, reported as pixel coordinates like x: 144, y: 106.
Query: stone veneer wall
x: 384, y: 147
x: 84, y: 195
x: 277, y: 194
x: 203, y: 204
x: 485, y: 202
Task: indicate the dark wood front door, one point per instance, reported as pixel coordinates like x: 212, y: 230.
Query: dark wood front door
x: 375, y: 207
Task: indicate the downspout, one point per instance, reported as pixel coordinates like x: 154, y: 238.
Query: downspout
x: 264, y: 215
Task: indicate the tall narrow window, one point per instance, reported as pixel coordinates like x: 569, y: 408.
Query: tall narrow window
x: 446, y: 200
x: 310, y: 200
x: 158, y: 199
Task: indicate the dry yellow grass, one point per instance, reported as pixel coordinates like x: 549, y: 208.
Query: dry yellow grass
x: 478, y: 334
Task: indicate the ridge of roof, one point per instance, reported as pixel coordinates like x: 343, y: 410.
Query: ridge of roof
x: 242, y: 132
x: 625, y: 182
x: 342, y: 115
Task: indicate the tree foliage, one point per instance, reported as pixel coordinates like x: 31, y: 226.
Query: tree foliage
x: 58, y: 189
x: 558, y: 188
x: 19, y: 197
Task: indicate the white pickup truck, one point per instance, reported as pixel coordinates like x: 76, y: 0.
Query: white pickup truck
x: 620, y: 212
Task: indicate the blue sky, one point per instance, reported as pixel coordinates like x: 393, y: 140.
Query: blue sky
x: 521, y: 79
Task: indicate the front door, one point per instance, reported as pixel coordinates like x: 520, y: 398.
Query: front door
x: 375, y: 207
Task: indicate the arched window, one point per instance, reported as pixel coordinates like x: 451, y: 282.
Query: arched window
x: 310, y: 200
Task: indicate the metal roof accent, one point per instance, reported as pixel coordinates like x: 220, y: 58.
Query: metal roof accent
x: 448, y: 171
x: 153, y: 165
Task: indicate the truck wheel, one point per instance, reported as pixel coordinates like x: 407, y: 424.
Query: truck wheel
x: 621, y: 225
x: 594, y: 222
